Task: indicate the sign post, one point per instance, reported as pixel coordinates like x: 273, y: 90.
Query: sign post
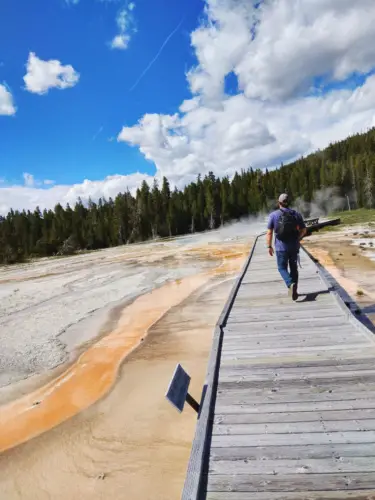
x: 177, y: 393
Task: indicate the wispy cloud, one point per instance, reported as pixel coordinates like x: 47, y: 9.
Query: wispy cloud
x: 153, y: 61
x: 75, y: 2
x: 126, y: 27
x: 28, y: 179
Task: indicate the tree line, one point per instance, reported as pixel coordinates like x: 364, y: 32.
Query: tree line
x: 158, y: 211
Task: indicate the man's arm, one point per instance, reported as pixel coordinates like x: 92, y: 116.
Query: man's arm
x: 269, y: 236
x: 302, y: 233
x: 269, y: 241
x: 302, y: 227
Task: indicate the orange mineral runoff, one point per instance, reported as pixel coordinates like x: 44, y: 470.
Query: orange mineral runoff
x: 93, y: 374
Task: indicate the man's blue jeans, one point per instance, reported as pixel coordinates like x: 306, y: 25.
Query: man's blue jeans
x: 283, y: 260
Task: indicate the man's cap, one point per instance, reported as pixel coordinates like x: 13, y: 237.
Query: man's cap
x: 283, y: 198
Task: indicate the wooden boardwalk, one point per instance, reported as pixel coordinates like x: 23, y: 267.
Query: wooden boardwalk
x: 289, y: 401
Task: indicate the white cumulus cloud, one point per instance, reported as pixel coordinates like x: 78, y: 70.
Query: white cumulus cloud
x: 33, y: 194
x: 7, y: 106
x: 295, y: 42
x: 278, y: 50
x: 120, y: 42
x: 42, y: 75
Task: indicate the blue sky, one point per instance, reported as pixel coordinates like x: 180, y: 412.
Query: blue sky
x: 65, y: 135
x: 98, y: 95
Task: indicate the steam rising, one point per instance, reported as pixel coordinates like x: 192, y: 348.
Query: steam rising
x: 325, y: 202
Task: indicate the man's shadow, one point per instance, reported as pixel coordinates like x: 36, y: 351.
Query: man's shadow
x: 369, y: 309
x: 311, y: 297
x: 350, y: 303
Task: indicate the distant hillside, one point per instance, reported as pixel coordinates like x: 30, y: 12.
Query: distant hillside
x: 347, y: 166
x: 324, y: 180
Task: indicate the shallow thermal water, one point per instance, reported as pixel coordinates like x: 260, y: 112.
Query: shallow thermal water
x: 56, y: 305
x: 366, y: 244
x: 51, y: 306
x: 132, y: 444
x: 164, y: 297
x: 349, y: 257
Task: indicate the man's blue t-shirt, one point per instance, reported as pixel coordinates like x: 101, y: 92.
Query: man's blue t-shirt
x: 281, y: 246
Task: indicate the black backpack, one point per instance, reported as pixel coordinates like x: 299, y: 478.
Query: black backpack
x: 287, y: 227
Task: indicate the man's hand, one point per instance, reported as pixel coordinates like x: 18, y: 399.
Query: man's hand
x: 270, y: 251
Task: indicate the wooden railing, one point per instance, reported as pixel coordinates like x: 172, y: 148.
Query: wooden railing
x: 194, y: 487
x: 311, y: 222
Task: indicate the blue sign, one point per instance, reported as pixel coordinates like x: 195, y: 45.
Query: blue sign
x: 178, y: 388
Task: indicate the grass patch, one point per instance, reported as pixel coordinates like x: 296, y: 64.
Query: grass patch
x: 330, y: 229
x: 360, y: 216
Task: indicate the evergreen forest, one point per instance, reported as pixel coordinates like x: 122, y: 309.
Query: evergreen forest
x: 158, y: 211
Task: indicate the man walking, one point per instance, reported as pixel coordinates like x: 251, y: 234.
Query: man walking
x: 289, y: 229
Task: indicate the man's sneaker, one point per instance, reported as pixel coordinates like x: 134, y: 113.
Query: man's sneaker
x: 294, y: 291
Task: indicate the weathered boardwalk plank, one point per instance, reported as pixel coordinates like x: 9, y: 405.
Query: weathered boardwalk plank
x: 306, y: 495
x: 291, y: 407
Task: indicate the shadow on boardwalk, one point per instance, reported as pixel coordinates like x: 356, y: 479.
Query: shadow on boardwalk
x: 311, y: 297
x: 360, y: 313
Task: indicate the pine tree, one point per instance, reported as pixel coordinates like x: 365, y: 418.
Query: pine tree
x: 156, y: 208
x: 368, y: 184
x: 225, y: 200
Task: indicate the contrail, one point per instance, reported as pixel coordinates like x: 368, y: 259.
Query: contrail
x: 158, y: 54
x: 97, y: 133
